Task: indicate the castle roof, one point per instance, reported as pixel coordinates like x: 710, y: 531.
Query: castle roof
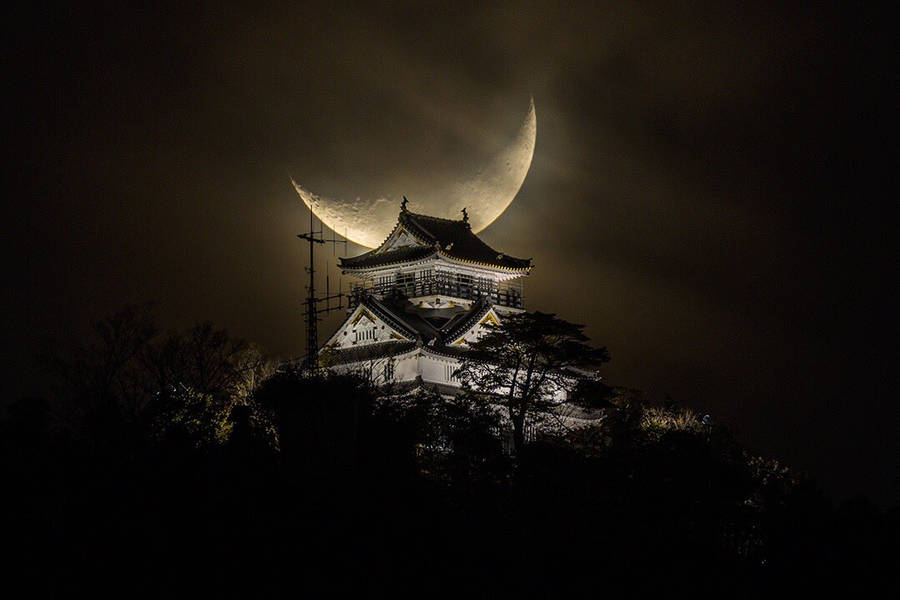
x: 339, y: 356
x: 409, y: 325
x: 466, y: 321
x: 435, y: 236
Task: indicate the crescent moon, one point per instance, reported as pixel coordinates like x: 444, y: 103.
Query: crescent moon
x: 486, y: 196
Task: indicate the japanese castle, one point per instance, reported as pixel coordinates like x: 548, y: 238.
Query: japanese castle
x: 422, y: 296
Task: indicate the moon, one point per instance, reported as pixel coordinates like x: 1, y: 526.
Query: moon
x: 485, y: 196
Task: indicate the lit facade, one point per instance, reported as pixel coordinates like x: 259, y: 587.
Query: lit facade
x: 422, y: 296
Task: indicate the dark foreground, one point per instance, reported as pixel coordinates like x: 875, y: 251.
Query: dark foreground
x: 359, y: 499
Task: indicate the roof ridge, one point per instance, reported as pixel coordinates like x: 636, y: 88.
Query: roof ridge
x: 388, y: 315
x: 395, y: 256
x: 474, y: 314
x: 413, y: 325
x: 384, y: 241
x: 453, y: 239
x: 416, y: 218
x: 412, y: 214
x: 377, y: 350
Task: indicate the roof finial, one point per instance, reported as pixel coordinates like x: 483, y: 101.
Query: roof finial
x: 465, y: 215
x: 403, y: 204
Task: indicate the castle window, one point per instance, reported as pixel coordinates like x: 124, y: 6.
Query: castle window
x: 465, y: 284
x: 448, y: 373
x: 365, y: 334
x: 406, y: 282
x: 389, y: 370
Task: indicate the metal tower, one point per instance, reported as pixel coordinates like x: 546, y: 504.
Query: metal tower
x: 312, y: 309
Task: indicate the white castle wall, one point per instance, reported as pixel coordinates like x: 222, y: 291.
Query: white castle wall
x: 433, y: 369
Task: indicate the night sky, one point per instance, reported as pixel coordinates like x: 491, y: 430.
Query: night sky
x: 708, y: 192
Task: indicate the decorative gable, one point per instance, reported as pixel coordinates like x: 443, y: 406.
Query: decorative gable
x: 399, y: 238
x: 477, y: 329
x: 364, y: 327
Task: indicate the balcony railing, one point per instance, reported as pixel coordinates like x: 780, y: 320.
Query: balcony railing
x: 445, y: 284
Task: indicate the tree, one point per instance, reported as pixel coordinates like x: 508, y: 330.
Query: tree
x: 368, y: 364
x: 199, y: 376
x: 106, y: 379
x: 185, y: 383
x: 450, y: 435
x: 530, y: 362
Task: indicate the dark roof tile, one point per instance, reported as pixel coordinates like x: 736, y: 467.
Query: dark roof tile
x: 373, y: 259
x: 458, y: 327
x: 451, y: 238
x: 395, y: 319
x: 368, y: 352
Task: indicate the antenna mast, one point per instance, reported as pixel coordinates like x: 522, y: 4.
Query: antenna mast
x: 312, y: 309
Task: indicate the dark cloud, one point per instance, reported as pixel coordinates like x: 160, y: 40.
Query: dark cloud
x: 702, y: 194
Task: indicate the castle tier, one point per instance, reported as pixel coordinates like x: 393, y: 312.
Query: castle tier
x: 422, y: 296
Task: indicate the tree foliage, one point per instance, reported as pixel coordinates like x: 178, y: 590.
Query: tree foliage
x: 529, y: 363
x: 375, y: 489
x: 451, y: 435
x: 178, y: 383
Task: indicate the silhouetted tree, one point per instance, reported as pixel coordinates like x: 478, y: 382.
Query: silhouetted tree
x: 132, y: 377
x: 109, y: 373
x: 199, y: 376
x: 377, y: 488
x: 452, y: 436
x: 529, y: 363
x: 471, y: 427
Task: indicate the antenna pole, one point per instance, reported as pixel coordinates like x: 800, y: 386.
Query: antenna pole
x: 312, y: 310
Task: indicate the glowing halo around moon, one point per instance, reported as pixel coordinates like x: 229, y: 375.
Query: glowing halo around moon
x: 485, y: 196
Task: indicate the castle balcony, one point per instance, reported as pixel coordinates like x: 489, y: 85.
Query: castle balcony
x: 451, y: 285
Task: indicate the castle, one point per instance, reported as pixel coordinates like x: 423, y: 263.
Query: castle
x: 427, y: 291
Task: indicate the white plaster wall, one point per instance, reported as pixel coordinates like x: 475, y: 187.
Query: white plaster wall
x: 406, y: 368
x: 434, y: 369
